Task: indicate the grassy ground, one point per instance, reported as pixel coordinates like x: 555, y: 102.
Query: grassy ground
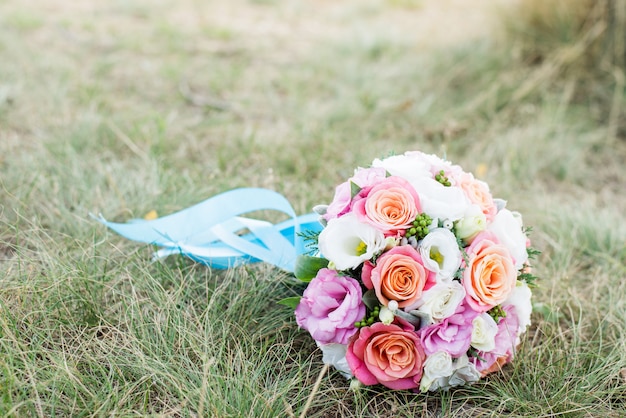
x: 125, y: 107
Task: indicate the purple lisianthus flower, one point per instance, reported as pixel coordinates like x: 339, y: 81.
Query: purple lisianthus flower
x: 452, y: 335
x: 341, y: 202
x: 506, y: 340
x: 363, y: 177
x: 330, y: 306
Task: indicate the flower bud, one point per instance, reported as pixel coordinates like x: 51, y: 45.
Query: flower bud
x: 393, y: 305
x: 471, y: 224
x: 386, y: 315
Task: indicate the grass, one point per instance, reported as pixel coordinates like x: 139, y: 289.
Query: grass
x: 126, y: 107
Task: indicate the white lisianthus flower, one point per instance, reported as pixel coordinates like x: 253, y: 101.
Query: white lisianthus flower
x: 472, y: 222
x: 484, y: 330
x: 520, y: 298
x: 440, y: 253
x: 335, y: 355
x: 440, y: 301
x: 437, y: 366
x: 507, y: 227
x: 347, y: 242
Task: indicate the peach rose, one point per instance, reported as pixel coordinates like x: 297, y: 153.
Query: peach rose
x: 391, y: 355
x: 478, y: 193
x: 399, y: 275
x: 390, y: 205
x: 490, y: 276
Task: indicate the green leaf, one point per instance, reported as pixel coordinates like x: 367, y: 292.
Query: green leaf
x: 354, y: 189
x: 370, y: 300
x: 291, y: 302
x: 529, y: 278
x: 311, y: 239
x: 532, y: 252
x: 307, y: 267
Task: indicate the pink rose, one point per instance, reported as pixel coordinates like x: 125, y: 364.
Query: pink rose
x: 330, y: 306
x: 391, y: 355
x: 390, y: 205
x: 478, y: 193
x: 490, y: 276
x: 452, y: 335
x: 399, y: 275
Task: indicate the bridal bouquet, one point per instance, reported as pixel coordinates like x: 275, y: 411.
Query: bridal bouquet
x: 420, y: 278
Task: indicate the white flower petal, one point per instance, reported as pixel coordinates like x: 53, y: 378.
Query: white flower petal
x: 484, y: 332
x: 520, y: 298
x: 439, y: 201
x: 507, y: 227
x: 441, y: 301
x: 473, y: 222
x: 335, y: 355
x: 440, y: 253
x: 347, y: 242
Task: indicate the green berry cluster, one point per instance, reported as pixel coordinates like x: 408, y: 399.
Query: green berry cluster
x: 420, y: 227
x: 441, y: 178
x: 368, y: 320
x: 496, y: 313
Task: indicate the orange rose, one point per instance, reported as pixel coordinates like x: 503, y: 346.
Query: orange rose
x: 391, y: 206
x: 490, y: 276
x: 391, y: 355
x: 478, y: 193
x: 399, y: 275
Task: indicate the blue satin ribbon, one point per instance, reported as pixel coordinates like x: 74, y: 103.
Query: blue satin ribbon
x: 208, y: 232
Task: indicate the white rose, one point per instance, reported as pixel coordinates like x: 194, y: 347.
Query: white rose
x: 335, y: 355
x: 406, y: 166
x: 507, y: 227
x: 520, y: 298
x: 440, y: 301
x: 484, y: 330
x: 440, y: 253
x: 347, y: 243
x: 472, y: 222
x: 437, y: 366
x: 462, y: 372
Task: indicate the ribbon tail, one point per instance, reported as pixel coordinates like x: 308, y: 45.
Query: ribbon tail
x: 214, y: 233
